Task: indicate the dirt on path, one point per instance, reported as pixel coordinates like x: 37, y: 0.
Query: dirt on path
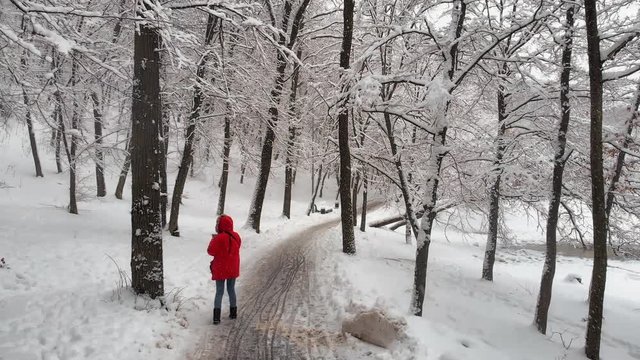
x: 280, y: 317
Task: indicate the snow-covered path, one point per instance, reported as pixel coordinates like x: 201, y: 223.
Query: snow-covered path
x: 278, y: 311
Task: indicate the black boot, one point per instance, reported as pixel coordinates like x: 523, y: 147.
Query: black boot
x: 233, y: 312
x: 216, y: 316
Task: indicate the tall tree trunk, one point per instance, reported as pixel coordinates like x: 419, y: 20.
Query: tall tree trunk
x: 97, y: 131
x: 348, y: 237
x: 122, y: 179
x: 255, y: 211
x: 313, y: 197
x: 225, y: 162
x: 365, y: 191
x: 354, y: 197
x: 494, y: 194
x: 288, y: 170
x: 559, y: 161
x: 147, y: 276
x: 57, y: 135
x: 600, y: 225
x: 32, y: 136
x: 423, y: 240
x: 187, y: 152
x: 73, y: 205
x: 322, y: 184
x: 163, y: 166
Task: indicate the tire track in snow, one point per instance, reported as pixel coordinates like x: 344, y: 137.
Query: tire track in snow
x: 274, y: 320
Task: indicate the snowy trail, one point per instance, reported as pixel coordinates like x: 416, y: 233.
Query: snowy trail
x: 277, y: 311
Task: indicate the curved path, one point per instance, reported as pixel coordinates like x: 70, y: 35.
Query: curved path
x: 279, y: 316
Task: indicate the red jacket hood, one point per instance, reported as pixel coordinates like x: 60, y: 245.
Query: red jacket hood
x: 224, y: 224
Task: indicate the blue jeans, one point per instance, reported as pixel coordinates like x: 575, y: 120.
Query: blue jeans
x: 231, y: 289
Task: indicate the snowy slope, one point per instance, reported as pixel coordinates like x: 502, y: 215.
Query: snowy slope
x: 468, y: 318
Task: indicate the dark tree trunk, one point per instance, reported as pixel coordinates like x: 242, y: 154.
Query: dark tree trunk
x: 494, y: 194
x: 225, y: 163
x: 559, y: 161
x: 313, y: 197
x: 125, y: 169
x: 423, y: 240
x: 599, y: 273
x: 97, y: 131
x: 288, y: 171
x: 354, y: 197
x: 147, y: 276
x: 32, y: 136
x: 365, y: 191
x: 255, y: 210
x: 187, y: 152
x: 346, y: 215
x: 73, y: 204
x: 59, y: 134
x: 243, y: 167
x: 322, y: 184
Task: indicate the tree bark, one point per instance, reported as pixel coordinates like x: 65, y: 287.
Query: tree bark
x: 147, y: 275
x: 494, y: 194
x: 354, y: 197
x: 255, y: 210
x: 348, y: 237
x: 32, y: 136
x: 125, y: 169
x: 288, y: 171
x: 365, y: 191
x: 73, y: 204
x: 559, y: 161
x: 187, y: 152
x: 225, y: 163
x: 423, y: 239
x: 97, y: 131
x: 313, y: 198
x: 600, y: 225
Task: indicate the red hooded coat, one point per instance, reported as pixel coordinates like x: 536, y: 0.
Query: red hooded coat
x: 225, y: 249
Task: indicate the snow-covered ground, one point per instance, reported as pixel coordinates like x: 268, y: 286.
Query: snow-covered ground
x: 468, y: 318
x: 62, y: 297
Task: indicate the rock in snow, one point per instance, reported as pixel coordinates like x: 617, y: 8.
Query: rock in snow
x: 374, y: 327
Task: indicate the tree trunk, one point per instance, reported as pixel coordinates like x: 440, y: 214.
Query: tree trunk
x: 288, y: 171
x: 73, y: 205
x: 32, y: 136
x: 600, y: 225
x: 225, y: 163
x: 255, y: 210
x: 365, y: 191
x: 97, y: 126
x: 354, y: 197
x: 125, y: 169
x: 322, y: 184
x: 57, y: 120
x: 147, y: 276
x: 559, y: 161
x: 348, y: 240
x: 243, y: 167
x: 423, y: 240
x: 494, y: 202
x: 187, y: 152
x: 313, y: 198
x: 163, y: 167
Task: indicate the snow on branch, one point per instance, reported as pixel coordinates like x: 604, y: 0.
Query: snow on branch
x: 12, y: 36
x: 616, y: 75
x: 614, y: 49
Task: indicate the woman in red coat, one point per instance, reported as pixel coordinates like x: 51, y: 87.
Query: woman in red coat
x: 225, y: 266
